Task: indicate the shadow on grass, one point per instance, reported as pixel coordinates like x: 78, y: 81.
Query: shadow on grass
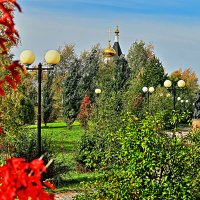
x: 65, y: 147
x: 51, y: 127
x: 83, y: 177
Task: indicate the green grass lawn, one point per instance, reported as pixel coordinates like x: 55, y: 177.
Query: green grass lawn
x: 65, y: 147
x: 64, y: 141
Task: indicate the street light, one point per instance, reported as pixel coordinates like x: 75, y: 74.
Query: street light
x: 184, y: 102
x: 97, y: 91
x: 148, y: 91
x: 168, y: 84
x: 178, y: 98
x: 52, y: 58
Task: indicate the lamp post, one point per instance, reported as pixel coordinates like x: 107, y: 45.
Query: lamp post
x: 97, y: 92
x: 184, y: 102
x: 52, y: 58
x: 172, y: 87
x: 148, y: 91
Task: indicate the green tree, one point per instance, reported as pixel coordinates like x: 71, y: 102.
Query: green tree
x: 67, y: 56
x: 27, y: 88
x: 153, y: 73
x: 121, y: 74
x: 104, y: 119
x: 47, y: 97
x: 27, y: 110
x: 90, y: 63
x: 147, y: 70
x: 138, y: 55
x: 71, y: 94
x: 17, y: 108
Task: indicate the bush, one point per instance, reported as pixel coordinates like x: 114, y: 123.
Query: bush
x: 27, y: 111
x: 150, y: 165
x: 25, y: 146
x: 97, y: 141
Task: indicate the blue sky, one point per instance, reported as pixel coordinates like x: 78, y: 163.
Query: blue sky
x: 172, y: 26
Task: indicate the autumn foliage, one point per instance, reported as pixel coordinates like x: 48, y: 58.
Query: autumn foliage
x: 21, y: 180
x: 18, y: 179
x: 9, y: 35
x: 187, y: 75
x: 85, y: 111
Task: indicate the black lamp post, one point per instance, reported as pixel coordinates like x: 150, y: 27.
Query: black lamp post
x: 27, y: 58
x: 148, y: 91
x: 173, y: 88
x: 97, y: 92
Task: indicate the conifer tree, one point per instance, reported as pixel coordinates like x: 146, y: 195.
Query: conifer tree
x: 121, y: 74
x: 90, y: 67
x: 47, y: 97
x: 153, y: 73
x: 71, y: 94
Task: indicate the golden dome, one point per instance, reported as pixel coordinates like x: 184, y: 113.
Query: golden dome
x: 109, y: 51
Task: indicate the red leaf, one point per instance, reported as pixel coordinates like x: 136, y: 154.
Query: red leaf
x: 10, y: 82
x: 17, y: 182
x: 2, y: 93
x: 16, y: 76
x: 49, y: 185
x: 14, y: 2
x: 14, y: 65
x: 3, y: 46
x: 8, y: 32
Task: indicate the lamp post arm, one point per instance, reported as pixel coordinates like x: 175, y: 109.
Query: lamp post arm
x: 48, y: 68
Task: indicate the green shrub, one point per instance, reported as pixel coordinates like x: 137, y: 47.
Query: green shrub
x: 27, y: 111
x: 25, y: 146
x: 150, y: 165
x: 96, y: 142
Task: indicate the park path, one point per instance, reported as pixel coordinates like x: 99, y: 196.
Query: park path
x: 181, y: 134
x: 66, y: 195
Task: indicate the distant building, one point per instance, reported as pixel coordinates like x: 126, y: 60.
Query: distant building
x: 110, y: 53
x: 116, y: 45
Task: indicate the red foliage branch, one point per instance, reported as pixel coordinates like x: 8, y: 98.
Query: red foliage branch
x: 9, y: 34
x: 85, y: 111
x: 21, y: 180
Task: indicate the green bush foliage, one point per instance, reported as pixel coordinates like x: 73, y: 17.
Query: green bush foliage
x: 27, y: 111
x: 25, y: 145
x: 149, y: 164
x: 104, y: 120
